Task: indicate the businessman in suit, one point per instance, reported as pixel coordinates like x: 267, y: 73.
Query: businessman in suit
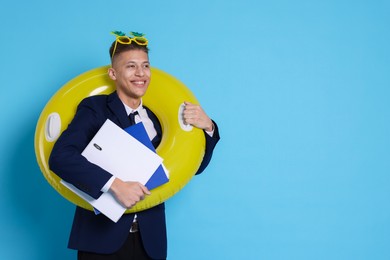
x: 134, y: 236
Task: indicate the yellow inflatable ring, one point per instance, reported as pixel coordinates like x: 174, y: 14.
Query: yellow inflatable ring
x: 181, y: 147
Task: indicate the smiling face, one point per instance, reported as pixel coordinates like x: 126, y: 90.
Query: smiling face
x: 131, y: 72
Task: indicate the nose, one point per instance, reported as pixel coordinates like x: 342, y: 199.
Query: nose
x: 140, y: 71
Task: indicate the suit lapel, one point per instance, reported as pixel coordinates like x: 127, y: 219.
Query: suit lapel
x: 117, y: 108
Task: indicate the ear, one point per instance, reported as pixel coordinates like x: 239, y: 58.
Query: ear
x: 111, y: 73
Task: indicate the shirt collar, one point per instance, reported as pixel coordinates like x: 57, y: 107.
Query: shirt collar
x: 130, y: 110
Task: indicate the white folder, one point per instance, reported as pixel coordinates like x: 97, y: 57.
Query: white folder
x: 117, y: 152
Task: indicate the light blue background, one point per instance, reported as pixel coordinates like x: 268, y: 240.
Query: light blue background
x: 300, y: 90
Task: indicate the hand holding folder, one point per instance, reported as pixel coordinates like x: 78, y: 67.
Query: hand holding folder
x: 125, y: 157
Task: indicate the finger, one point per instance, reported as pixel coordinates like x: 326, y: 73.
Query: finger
x: 129, y: 204
x: 145, y: 190
x: 190, y: 106
x: 188, y: 115
x: 192, y: 113
x: 140, y: 189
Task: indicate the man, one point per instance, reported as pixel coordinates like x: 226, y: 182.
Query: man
x: 134, y: 236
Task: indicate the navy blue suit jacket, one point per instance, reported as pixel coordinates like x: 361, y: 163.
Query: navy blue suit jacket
x: 97, y: 233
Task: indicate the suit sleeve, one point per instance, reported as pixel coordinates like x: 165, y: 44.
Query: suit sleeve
x: 66, y: 160
x: 211, y: 142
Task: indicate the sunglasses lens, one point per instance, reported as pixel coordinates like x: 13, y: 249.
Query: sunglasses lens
x: 123, y: 39
x: 141, y: 40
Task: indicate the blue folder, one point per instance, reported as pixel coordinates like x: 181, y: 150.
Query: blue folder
x: 159, y: 177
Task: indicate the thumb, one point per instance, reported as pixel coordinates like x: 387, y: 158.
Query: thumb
x: 145, y: 190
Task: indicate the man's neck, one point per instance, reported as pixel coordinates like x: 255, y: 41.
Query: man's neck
x: 133, y: 103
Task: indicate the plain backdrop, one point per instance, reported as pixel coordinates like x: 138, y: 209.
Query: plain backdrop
x: 300, y: 90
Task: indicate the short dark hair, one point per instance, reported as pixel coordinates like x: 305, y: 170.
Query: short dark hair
x: 126, y: 47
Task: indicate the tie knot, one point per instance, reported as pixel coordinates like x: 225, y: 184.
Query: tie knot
x: 132, y: 117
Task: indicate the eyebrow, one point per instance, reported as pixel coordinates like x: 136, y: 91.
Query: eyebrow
x: 143, y: 62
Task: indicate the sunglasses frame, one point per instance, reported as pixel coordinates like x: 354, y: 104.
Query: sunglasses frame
x: 122, y: 38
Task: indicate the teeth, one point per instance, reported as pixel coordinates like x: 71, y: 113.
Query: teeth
x: 139, y: 82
